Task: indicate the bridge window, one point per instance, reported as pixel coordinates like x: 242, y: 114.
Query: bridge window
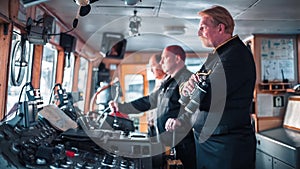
x: 134, y: 87
x: 82, y: 80
x: 48, y: 71
x: 68, y: 73
x: 20, y: 66
x: 194, y: 63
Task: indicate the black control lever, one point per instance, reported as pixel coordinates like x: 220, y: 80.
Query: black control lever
x: 115, y: 123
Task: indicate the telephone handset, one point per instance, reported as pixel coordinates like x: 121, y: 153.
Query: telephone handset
x: 296, y: 88
x: 65, y: 103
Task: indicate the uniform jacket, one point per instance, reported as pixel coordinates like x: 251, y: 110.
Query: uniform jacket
x: 222, y: 126
x: 165, y: 99
x: 230, y: 92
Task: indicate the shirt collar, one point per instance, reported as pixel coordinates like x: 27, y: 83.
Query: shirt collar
x: 224, y: 43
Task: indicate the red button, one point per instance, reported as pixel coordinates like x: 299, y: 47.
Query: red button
x: 70, y: 153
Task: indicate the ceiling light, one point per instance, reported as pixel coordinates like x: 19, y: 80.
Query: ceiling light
x: 131, y: 2
x: 174, y: 30
x: 28, y: 3
x: 82, y: 2
x: 134, y: 24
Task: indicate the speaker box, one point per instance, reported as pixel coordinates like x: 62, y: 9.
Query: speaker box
x: 68, y: 42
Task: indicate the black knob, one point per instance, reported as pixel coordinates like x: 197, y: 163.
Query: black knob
x: 15, y: 148
x: 41, y: 161
x: 2, y: 136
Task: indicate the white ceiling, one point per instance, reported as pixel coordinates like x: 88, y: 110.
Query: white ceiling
x: 251, y: 17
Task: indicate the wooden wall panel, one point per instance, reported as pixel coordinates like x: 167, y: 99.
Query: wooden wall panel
x: 298, y: 54
x: 60, y: 67
x: 4, y: 7
x: 88, y: 89
x: 37, y: 65
x: 5, y: 44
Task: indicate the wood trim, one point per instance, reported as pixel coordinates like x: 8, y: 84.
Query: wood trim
x: 291, y: 127
x: 37, y: 66
x: 294, y: 98
x: 88, y: 89
x: 76, y: 72
x: 13, y: 10
x: 3, y: 18
x: 4, y: 9
x: 298, y: 54
x: 139, y: 69
x: 60, y: 67
x: 133, y: 69
x: 268, y: 123
x: 5, y: 46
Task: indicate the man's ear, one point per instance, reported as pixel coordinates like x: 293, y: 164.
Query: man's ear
x: 221, y: 27
x: 178, y: 58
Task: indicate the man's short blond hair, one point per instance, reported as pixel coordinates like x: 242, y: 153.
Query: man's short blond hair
x: 219, y: 15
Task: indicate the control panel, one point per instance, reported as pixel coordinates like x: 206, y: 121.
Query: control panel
x: 43, y: 146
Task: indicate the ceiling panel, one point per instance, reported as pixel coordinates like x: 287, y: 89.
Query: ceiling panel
x: 118, y: 7
x: 251, y: 17
x: 272, y: 10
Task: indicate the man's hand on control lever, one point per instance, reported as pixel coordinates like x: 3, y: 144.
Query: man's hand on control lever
x: 171, y: 124
x: 113, y: 106
x: 151, y: 122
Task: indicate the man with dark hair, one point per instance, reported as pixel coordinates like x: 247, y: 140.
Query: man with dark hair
x: 165, y: 100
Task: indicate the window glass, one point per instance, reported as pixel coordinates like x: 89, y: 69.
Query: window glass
x: 134, y: 87
x: 150, y: 78
x: 82, y: 80
x: 19, y: 69
x: 68, y: 73
x: 48, y: 71
x: 194, y: 64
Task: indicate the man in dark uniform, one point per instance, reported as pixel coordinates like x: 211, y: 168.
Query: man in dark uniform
x: 165, y: 99
x: 222, y: 127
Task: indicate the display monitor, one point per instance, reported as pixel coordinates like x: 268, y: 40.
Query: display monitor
x: 113, y: 45
x: 117, y: 51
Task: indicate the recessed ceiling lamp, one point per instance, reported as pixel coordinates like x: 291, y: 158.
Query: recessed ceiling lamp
x: 174, y: 30
x: 132, y: 2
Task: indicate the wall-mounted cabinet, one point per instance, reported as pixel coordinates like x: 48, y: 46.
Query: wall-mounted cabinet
x: 274, y: 87
x: 279, y: 148
x: 276, y: 59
